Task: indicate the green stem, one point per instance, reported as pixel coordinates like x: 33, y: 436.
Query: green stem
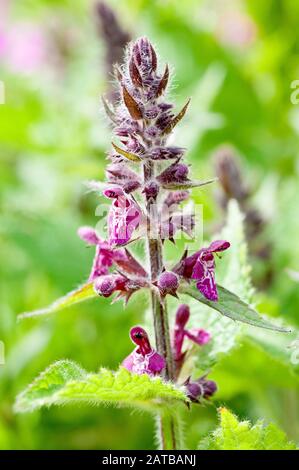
x: 167, y: 423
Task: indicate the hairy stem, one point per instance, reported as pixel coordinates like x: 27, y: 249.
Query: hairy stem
x: 167, y: 425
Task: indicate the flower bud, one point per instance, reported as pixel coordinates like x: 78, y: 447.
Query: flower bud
x: 131, y: 186
x: 152, y: 112
x: 166, y: 153
x: 182, y: 316
x: 119, y: 173
x: 175, y: 197
x: 200, y: 388
x: 151, y: 189
x: 89, y: 235
x: 177, y: 173
x: 168, y: 282
x: 107, y: 285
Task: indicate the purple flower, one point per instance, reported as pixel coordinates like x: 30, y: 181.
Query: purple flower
x: 201, y: 267
x: 198, y: 336
x: 123, y: 218
x: 200, y: 388
x: 144, y: 359
x: 105, y: 256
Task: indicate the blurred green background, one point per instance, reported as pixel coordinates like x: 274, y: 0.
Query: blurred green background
x: 237, y: 60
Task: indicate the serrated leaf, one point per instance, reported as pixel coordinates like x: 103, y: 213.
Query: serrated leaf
x: 233, y: 434
x: 128, y: 155
x: 187, y: 184
x: 231, y: 306
x: 64, y: 382
x: 81, y: 294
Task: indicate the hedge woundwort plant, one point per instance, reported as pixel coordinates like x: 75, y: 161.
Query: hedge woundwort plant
x: 141, y: 197
x: 147, y: 181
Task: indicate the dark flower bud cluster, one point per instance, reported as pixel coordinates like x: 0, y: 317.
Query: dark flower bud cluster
x: 200, y: 389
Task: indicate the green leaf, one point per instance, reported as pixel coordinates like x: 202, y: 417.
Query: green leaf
x: 64, y: 382
x: 233, y: 434
x: 84, y: 292
x: 231, y: 306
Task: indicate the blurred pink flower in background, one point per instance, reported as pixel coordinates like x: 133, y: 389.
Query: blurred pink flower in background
x: 26, y: 48
x: 23, y: 45
x: 236, y: 29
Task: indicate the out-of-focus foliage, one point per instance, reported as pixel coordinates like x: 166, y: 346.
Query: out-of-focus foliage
x: 237, y: 59
x: 235, y: 435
